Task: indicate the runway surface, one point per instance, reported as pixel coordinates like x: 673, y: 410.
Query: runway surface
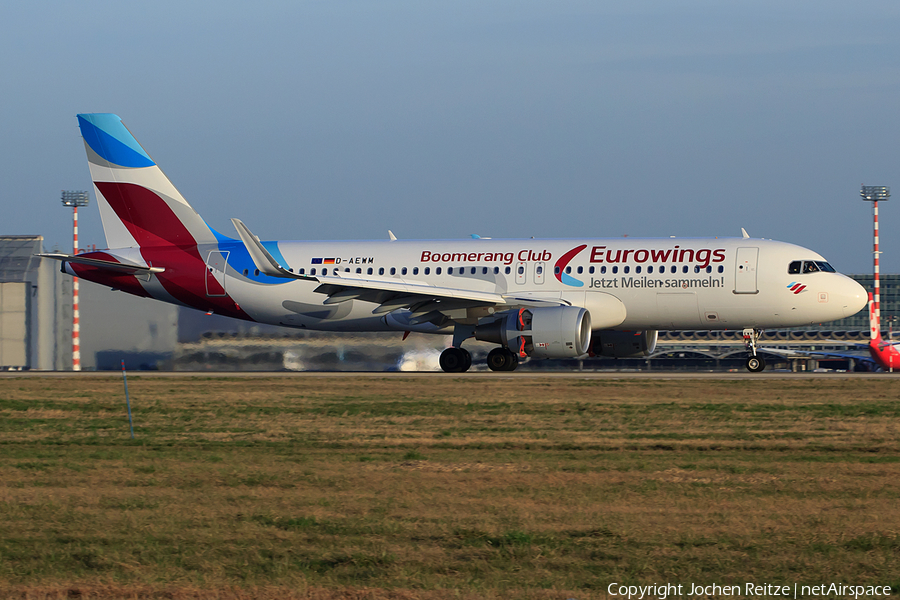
x: 611, y: 375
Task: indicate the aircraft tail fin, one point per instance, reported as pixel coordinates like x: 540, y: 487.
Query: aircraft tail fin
x: 874, y: 325
x: 138, y: 204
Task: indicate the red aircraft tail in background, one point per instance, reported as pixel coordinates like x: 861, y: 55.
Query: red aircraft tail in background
x: 884, y: 353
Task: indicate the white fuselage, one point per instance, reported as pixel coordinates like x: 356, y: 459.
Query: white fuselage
x: 666, y: 283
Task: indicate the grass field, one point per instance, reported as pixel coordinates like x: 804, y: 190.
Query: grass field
x: 443, y: 487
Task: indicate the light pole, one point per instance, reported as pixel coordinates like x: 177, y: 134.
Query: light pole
x: 874, y: 193
x: 75, y: 199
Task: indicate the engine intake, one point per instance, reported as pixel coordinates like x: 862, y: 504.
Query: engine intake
x: 554, y: 332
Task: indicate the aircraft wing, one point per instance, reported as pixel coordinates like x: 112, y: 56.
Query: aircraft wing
x: 864, y: 358
x: 427, y: 303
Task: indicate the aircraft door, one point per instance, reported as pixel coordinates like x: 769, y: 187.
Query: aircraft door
x: 215, y: 273
x: 539, y: 272
x: 745, y: 271
x: 520, y: 273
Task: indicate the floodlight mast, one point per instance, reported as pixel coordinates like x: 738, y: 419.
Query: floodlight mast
x: 75, y: 199
x: 874, y: 193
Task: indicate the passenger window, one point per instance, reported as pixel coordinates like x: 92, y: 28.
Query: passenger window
x: 437, y: 271
x: 684, y: 269
x: 603, y: 270
x: 415, y: 270
x: 627, y: 269
x: 506, y: 270
x: 449, y: 270
x: 580, y: 270
x: 556, y: 270
x: 721, y: 269
x: 794, y: 267
x: 369, y: 271
x: 709, y: 269
x: 650, y: 269
x: 381, y: 270
x: 358, y: 270
x: 256, y: 272
x: 615, y: 269
x: 473, y: 270
x: 428, y: 270
x: 540, y: 270
x: 637, y: 269
x: 302, y: 271
x: 484, y: 270
x: 568, y: 269
x: 521, y: 270
x: 496, y: 270
x: 591, y: 270
x: 403, y: 271
x: 696, y: 268
x: 246, y: 272
x: 324, y: 271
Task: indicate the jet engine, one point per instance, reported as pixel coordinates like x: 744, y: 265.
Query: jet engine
x: 624, y: 344
x: 552, y: 332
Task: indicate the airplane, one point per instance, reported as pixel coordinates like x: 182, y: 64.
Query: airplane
x: 884, y: 353
x: 532, y: 298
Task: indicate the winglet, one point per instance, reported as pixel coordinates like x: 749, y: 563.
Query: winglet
x: 392, y: 236
x: 744, y: 233
x: 261, y: 257
x: 874, y: 325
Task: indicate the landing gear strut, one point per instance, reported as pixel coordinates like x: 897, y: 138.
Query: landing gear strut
x: 754, y: 363
x: 502, y: 359
x: 455, y: 360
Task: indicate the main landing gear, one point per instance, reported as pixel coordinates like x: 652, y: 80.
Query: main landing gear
x: 458, y: 360
x: 455, y: 360
x: 502, y: 359
x: 754, y: 363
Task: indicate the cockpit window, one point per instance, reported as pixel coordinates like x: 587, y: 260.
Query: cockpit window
x: 809, y: 266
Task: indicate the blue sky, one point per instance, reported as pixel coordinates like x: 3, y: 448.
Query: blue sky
x: 341, y: 120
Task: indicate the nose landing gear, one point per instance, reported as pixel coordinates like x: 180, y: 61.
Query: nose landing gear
x: 754, y: 363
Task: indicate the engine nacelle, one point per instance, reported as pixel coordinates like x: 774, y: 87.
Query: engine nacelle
x: 624, y: 344
x: 553, y: 332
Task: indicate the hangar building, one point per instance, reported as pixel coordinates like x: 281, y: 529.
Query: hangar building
x: 35, y: 307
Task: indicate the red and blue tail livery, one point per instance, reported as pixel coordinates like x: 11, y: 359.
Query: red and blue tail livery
x: 488, y: 289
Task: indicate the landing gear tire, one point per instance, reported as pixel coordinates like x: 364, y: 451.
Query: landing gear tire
x: 455, y: 360
x: 755, y: 364
x: 502, y: 359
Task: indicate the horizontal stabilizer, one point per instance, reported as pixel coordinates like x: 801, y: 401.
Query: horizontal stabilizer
x: 103, y: 264
x: 264, y: 261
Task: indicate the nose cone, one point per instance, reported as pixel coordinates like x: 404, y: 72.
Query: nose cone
x: 852, y: 296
